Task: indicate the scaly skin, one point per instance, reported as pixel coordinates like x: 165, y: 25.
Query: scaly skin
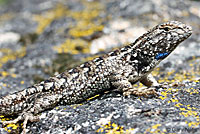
x: 116, y: 70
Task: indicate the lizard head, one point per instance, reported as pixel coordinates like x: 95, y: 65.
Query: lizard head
x: 164, y: 38
x: 155, y: 45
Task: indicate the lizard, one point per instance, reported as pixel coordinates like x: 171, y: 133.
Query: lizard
x: 118, y: 69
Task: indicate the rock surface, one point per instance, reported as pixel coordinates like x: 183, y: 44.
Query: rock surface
x: 39, y: 38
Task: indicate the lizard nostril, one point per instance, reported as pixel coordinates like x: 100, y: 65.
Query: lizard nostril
x: 189, y: 29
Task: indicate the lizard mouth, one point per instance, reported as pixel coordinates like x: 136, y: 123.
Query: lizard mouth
x: 185, y: 32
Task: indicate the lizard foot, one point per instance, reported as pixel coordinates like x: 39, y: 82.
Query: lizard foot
x: 141, y: 92
x: 24, y: 116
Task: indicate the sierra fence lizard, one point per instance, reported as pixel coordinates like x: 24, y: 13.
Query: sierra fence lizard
x: 119, y: 69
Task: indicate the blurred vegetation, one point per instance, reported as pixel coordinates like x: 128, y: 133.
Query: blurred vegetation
x: 2, y: 2
x: 64, y: 61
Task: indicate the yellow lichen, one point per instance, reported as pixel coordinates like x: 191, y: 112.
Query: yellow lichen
x: 93, y: 97
x: 46, y: 18
x: 9, y: 127
x: 5, y: 74
x: 9, y: 54
x: 14, y: 126
x: 87, y: 22
x: 76, y: 105
x: 113, y: 128
x: 22, y: 82
x: 155, y: 130
x: 156, y: 126
x: 73, y: 46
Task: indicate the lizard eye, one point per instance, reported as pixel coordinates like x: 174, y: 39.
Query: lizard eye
x: 166, y: 28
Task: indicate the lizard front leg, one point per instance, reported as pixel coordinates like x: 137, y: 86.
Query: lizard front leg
x: 123, y: 84
x: 149, y: 81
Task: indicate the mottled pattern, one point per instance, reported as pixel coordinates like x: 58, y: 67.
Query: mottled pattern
x: 116, y: 70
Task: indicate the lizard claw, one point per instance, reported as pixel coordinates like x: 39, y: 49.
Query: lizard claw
x: 24, y: 116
